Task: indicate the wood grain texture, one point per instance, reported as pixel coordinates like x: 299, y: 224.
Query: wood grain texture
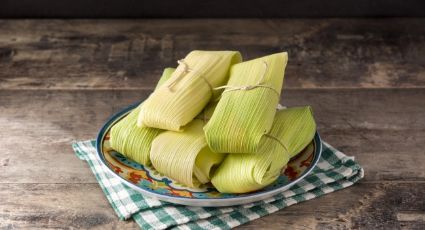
x: 124, y: 54
x: 57, y: 206
x: 61, y: 80
x: 38, y: 126
x: 82, y: 206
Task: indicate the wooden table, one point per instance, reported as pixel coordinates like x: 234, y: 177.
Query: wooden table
x: 60, y: 80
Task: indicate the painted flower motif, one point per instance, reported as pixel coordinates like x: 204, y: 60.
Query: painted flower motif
x: 181, y: 193
x: 116, y: 169
x: 134, y: 177
x: 291, y: 173
x: 144, y: 175
x: 307, y: 162
x: 154, y: 185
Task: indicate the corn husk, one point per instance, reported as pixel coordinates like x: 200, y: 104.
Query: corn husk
x: 247, y: 106
x: 166, y: 74
x: 132, y: 141
x: 185, y: 156
x: 293, y: 129
x: 188, y: 91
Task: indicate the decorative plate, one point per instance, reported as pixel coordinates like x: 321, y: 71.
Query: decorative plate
x: 151, y: 183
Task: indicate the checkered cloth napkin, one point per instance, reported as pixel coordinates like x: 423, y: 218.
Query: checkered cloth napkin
x: 334, y: 171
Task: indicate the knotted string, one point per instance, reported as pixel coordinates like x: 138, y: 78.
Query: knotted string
x: 229, y: 88
x: 293, y: 129
x: 276, y: 139
x: 186, y: 70
x: 278, y: 107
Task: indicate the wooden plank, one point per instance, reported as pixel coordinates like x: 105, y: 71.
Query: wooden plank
x: 56, y: 206
x: 55, y: 162
x: 371, y: 206
x: 129, y: 54
x: 38, y: 126
x: 363, y: 206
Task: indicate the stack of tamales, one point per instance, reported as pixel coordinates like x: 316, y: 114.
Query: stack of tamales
x: 215, y: 119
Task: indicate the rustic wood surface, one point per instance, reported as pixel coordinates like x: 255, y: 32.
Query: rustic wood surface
x: 60, y: 80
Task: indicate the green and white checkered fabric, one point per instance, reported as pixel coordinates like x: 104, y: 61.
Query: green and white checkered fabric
x: 334, y: 171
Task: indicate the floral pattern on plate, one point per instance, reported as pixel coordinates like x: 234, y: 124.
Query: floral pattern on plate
x: 150, y: 179
x: 150, y: 182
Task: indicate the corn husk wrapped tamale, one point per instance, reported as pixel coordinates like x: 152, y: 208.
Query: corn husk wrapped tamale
x: 185, y: 156
x: 247, y: 106
x: 188, y: 91
x: 293, y: 129
x: 132, y: 141
x: 166, y: 74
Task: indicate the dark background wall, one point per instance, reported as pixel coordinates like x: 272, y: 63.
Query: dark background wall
x: 209, y: 9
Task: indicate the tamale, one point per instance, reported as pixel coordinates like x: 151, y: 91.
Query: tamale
x: 247, y: 106
x: 185, y: 156
x: 188, y: 91
x: 293, y: 129
x: 129, y: 139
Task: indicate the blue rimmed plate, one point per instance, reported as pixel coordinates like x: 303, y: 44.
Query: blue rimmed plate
x: 151, y: 183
